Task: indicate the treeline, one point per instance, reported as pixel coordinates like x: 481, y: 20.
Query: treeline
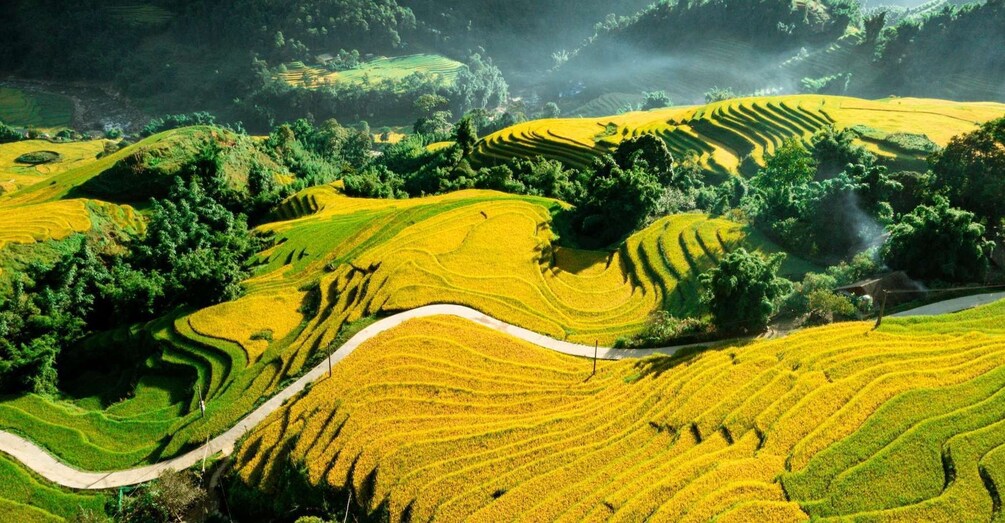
x: 204, y: 55
x: 194, y: 253
x: 954, y: 53
x: 687, y: 46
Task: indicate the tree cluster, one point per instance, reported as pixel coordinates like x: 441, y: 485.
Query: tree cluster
x: 195, y: 253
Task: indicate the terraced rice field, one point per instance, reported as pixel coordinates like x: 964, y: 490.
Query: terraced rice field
x: 724, y: 135
x: 140, y: 14
x: 14, y: 175
x: 61, y: 184
x: 22, y: 108
x: 444, y: 419
x: 355, y: 258
x: 50, y: 221
x: 492, y: 252
x: 375, y: 71
x: 25, y: 499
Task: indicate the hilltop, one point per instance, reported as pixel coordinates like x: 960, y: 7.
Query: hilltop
x: 734, y: 135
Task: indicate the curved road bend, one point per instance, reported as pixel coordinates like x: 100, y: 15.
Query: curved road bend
x: 44, y: 464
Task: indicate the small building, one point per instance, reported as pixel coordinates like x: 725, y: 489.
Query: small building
x: 324, y: 58
x: 898, y: 284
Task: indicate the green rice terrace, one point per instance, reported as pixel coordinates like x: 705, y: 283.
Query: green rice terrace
x: 319, y: 261
x: 381, y: 69
x: 22, y: 108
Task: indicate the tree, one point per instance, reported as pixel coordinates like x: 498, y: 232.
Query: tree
x: 791, y: 164
x: 971, y: 169
x: 744, y: 290
x: 939, y: 242
x: 551, y: 110
x: 197, y: 244
x: 466, y: 136
x: 48, y: 310
x: 656, y: 100
x: 427, y: 104
x: 174, y: 496
x: 719, y: 94
x: 647, y: 151
x: 436, y: 125
x: 8, y: 134
x: 834, y: 150
x: 616, y: 200
x: 789, y: 167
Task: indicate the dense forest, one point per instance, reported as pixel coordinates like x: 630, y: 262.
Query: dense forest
x: 228, y: 58
x: 775, y: 46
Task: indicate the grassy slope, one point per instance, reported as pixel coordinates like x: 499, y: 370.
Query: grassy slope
x: 366, y: 257
x: 443, y: 418
x: 723, y: 134
x: 360, y: 257
x: 14, y: 176
x: 25, y: 498
x: 40, y: 110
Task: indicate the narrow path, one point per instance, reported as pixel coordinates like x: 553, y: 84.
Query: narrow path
x: 954, y: 305
x: 44, y: 464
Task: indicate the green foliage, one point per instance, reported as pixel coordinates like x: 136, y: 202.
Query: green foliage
x: 744, y: 291
x: 174, y: 496
x: 318, y: 155
x: 466, y: 136
x: 648, y: 152
x: 826, y: 220
x: 427, y: 104
x: 832, y: 84
x: 37, y: 158
x: 834, y: 150
x: 198, y: 246
x: 939, y: 242
x: 655, y: 100
x: 8, y: 134
x: 175, y: 121
x: 971, y: 170
x: 435, y: 125
x: 194, y: 253
x: 551, y: 110
x: 789, y: 166
x: 719, y: 94
x: 616, y: 200
x: 664, y: 329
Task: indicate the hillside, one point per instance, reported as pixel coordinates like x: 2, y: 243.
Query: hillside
x: 780, y: 46
x: 445, y: 419
x: 382, y: 261
x: 752, y: 429
x: 734, y: 135
x: 341, y: 262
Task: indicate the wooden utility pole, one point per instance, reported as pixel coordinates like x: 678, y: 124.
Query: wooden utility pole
x: 205, y: 453
x: 882, y: 309
x: 596, y: 345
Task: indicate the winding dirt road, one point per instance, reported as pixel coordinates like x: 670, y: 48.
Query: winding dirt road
x: 44, y: 464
